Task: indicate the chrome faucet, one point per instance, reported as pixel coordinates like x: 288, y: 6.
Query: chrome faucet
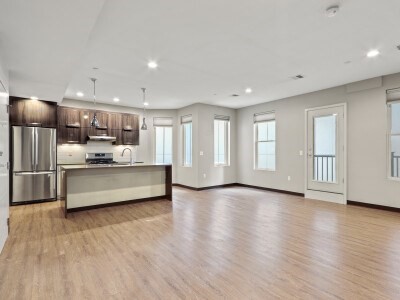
x: 131, y: 157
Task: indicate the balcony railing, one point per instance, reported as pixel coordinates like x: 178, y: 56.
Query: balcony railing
x: 325, y: 168
x: 395, y: 165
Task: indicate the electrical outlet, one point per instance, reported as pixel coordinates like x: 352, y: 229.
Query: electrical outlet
x: 289, y: 178
x: 201, y: 153
x: 204, y: 175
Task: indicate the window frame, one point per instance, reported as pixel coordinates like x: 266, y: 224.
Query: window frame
x: 227, y: 141
x: 184, y: 144
x: 255, y: 145
x: 155, y: 143
x: 389, y: 140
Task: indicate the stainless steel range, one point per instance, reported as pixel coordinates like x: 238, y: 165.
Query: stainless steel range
x: 100, y: 159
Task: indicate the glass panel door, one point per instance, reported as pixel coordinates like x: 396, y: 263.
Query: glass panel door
x: 325, y: 148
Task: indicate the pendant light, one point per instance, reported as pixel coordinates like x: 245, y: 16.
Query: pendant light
x: 94, y: 122
x: 144, y: 126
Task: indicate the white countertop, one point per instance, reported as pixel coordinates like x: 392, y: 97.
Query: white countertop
x: 112, y: 166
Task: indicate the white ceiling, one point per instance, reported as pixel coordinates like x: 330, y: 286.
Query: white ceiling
x: 206, y: 50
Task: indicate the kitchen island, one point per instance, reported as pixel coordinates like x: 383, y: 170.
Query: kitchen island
x: 95, y: 186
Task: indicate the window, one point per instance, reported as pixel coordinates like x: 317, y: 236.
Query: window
x: 264, y: 133
x: 221, y: 140
x: 393, y: 97
x: 186, y: 122
x: 163, y: 134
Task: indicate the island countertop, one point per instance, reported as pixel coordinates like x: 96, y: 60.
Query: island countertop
x: 117, y: 165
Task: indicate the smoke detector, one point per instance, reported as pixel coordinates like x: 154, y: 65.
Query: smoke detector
x: 297, y: 77
x: 332, y: 11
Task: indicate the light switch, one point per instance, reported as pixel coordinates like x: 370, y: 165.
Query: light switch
x: 301, y: 152
x: 201, y: 153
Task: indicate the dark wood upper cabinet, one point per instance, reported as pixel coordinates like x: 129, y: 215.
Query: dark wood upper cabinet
x: 136, y: 122
x: 115, y: 121
x: 125, y: 127
x: 102, y: 117
x: 118, y: 135
x: 69, y: 117
x: 26, y: 112
x: 68, y: 135
x: 130, y: 137
x: 128, y: 122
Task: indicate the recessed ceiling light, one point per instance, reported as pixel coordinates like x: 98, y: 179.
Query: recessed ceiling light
x: 34, y: 98
x: 116, y: 99
x: 146, y: 103
x: 152, y: 64
x: 80, y: 94
x: 248, y: 90
x: 373, y: 53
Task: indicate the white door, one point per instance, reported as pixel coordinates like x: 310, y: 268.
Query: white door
x: 326, y: 153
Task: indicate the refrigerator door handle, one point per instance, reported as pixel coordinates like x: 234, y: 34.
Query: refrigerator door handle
x: 36, y: 149
x: 33, y: 150
x: 34, y: 173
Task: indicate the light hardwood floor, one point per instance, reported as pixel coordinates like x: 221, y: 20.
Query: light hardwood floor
x: 232, y: 243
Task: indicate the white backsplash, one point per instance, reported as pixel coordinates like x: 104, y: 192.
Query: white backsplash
x: 75, y: 154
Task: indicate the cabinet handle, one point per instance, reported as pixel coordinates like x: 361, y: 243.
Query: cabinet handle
x: 34, y: 124
x: 75, y: 125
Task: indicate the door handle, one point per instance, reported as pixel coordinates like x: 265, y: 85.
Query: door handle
x: 33, y: 173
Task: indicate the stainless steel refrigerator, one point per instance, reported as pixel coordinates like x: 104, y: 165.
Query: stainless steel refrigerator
x: 33, y: 164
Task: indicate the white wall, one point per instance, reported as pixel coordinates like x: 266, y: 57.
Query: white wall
x: 214, y: 175
x: 188, y: 175
x: 367, y: 142
x: 4, y: 158
x: 203, y: 141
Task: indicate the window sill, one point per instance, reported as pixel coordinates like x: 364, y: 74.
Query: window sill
x: 186, y: 166
x: 394, y: 179
x: 222, y: 165
x: 268, y: 170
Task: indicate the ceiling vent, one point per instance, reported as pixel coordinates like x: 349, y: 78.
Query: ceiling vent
x: 297, y: 77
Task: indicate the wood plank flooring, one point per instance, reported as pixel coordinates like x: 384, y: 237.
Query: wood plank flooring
x: 230, y: 243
